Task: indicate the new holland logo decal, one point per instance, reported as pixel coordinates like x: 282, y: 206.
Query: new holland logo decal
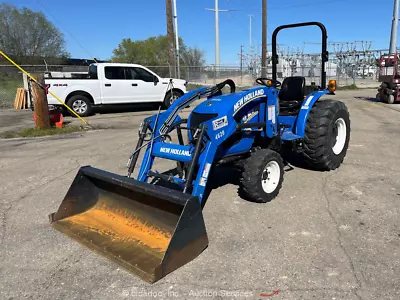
x: 246, y: 99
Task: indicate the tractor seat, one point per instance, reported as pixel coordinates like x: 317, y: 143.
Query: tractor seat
x: 291, y: 95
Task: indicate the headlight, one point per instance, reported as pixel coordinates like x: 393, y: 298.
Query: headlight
x: 185, y: 84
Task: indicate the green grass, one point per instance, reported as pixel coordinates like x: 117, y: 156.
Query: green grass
x: 8, y: 89
x: 348, y: 87
x: 34, y: 132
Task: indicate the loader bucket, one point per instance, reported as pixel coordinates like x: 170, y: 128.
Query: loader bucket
x: 150, y: 230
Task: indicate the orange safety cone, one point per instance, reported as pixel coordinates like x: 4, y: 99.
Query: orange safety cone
x: 56, y: 119
x: 59, y: 123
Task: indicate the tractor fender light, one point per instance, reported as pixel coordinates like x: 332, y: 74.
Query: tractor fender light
x: 332, y: 85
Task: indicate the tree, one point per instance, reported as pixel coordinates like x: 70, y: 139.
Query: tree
x: 27, y: 34
x: 154, y: 52
x: 150, y: 52
x: 192, y: 57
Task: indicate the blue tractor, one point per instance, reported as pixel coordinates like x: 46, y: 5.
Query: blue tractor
x: 152, y: 229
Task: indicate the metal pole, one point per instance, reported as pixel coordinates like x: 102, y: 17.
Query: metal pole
x: 251, y: 49
x: 177, y: 40
x: 216, y: 37
x: 395, y: 25
x: 250, y: 32
x: 241, y: 64
x: 264, y: 39
x: 217, y: 11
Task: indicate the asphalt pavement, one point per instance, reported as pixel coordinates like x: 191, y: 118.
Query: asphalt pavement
x: 328, y: 235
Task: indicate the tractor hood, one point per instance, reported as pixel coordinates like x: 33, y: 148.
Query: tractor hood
x: 229, y: 104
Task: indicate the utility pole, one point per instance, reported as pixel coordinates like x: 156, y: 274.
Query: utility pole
x: 241, y: 61
x: 250, y: 48
x: 264, y: 40
x: 170, y: 37
x: 40, y: 102
x: 395, y: 25
x: 177, y: 41
x: 217, y: 10
x: 250, y: 42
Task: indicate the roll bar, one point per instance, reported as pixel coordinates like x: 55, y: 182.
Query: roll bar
x: 324, y: 52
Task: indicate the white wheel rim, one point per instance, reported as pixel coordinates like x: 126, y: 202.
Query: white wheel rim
x: 79, y: 106
x: 270, y: 177
x: 340, y: 137
x: 173, y: 99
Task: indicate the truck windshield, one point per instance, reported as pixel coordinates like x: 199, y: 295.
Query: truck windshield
x: 93, y: 72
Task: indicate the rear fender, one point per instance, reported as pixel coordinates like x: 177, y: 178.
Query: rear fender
x: 308, y: 104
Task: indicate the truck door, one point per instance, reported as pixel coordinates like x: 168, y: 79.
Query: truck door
x: 115, y: 88
x: 146, y: 87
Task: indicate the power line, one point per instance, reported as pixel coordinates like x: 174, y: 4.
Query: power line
x: 289, y: 6
x: 69, y: 33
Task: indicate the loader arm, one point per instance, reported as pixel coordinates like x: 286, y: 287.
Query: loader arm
x: 168, y: 118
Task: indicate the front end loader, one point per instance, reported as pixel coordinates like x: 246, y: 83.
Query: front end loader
x: 151, y: 229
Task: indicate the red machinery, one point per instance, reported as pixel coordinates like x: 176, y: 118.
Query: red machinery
x: 389, y: 90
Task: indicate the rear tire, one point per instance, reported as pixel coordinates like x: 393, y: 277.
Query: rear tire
x: 262, y: 176
x: 327, y: 135
x: 171, y: 97
x: 81, y: 105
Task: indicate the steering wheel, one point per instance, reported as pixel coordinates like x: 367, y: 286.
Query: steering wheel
x: 268, y: 82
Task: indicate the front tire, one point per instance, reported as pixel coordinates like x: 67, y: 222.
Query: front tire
x: 390, y: 99
x: 81, y: 105
x: 171, y: 97
x: 327, y: 135
x: 262, y: 176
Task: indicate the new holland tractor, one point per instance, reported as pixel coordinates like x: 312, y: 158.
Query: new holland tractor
x: 151, y: 229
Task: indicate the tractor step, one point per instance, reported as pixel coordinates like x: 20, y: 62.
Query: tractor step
x: 290, y: 136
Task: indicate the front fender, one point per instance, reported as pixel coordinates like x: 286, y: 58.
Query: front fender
x: 305, y: 110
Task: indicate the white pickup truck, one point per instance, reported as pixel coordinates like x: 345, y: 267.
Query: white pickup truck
x: 112, y: 83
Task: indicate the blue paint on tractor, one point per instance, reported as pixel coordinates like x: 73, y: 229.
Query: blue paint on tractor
x: 256, y: 109
x: 229, y: 127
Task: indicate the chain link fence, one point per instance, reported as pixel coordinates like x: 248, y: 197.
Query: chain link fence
x: 11, y: 78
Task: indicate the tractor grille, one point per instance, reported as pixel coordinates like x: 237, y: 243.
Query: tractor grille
x: 196, y: 119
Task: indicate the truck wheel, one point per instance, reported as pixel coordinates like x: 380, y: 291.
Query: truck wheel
x: 81, y: 105
x: 327, y: 135
x: 262, y: 176
x: 171, y: 97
